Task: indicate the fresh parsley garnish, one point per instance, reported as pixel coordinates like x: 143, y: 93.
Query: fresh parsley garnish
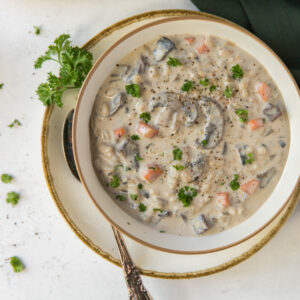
x: 140, y: 186
x: 1, y: 85
x: 152, y: 168
x: 158, y: 209
x: 135, y: 137
x: 12, y: 197
x: 17, y: 264
x: 6, y: 178
x: 234, y: 184
x: 14, y: 123
x: 37, y: 30
x: 222, y: 183
x: 115, y: 181
x: 236, y: 71
x: 228, y: 92
x: 186, y: 195
x: 178, y: 167
x: 242, y: 114
x: 250, y: 159
x: 121, y: 197
x: 138, y: 158
x: 145, y: 116
x: 133, y: 90
x: 133, y: 196
x: 212, y: 88
x: 204, y: 142
x: 188, y: 85
x: 174, y: 62
x: 142, y: 207
x: 204, y: 81
x: 75, y: 63
x: 177, y: 154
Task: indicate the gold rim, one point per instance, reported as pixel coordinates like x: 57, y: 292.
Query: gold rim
x: 73, y: 226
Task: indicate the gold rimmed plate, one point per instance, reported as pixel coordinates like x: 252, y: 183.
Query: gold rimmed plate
x: 91, y: 226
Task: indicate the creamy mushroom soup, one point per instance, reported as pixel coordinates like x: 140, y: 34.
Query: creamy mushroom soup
x: 189, y: 134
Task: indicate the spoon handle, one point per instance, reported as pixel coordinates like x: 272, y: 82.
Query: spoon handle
x: 136, y: 289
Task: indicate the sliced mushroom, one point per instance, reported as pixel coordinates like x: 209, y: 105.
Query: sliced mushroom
x: 191, y: 113
x: 138, y: 70
x: 196, y: 168
x: 164, y: 213
x: 282, y: 143
x: 241, y: 149
x: 164, y: 117
x: 224, y: 150
x: 272, y: 112
x: 214, y: 123
x: 200, y: 224
x: 129, y: 150
x: 117, y: 102
x: 266, y: 177
x: 162, y: 48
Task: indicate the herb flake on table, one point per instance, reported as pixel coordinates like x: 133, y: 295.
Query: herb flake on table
x: 145, y: 116
x: 15, y: 123
x: 188, y: 85
x: 177, y: 154
x: 16, y: 264
x: 236, y: 71
x: 133, y: 90
x: 5, y: 178
x: 242, y: 114
x: 37, y: 30
x: 13, y: 198
x: 1, y: 85
x: 75, y: 63
x: 234, y: 184
x: 174, y: 62
x: 186, y: 195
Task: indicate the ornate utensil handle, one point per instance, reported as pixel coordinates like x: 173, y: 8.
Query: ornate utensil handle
x: 136, y: 289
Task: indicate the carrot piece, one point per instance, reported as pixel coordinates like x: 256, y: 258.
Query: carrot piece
x: 152, y: 172
x: 250, y: 186
x: 223, y: 199
x: 119, y: 132
x: 263, y: 90
x: 202, y: 47
x: 189, y: 39
x: 146, y: 130
x: 256, y: 123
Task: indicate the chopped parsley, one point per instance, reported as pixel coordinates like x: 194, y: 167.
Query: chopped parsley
x: 133, y: 90
x: 1, y: 85
x: 133, y: 196
x: 204, y: 142
x: 121, y: 197
x: 145, y: 116
x: 188, y: 85
x: 250, y: 159
x: 204, y: 81
x: 14, y: 123
x: 236, y: 72
x: 152, y: 168
x: 75, y: 63
x: 140, y: 186
x: 115, y: 181
x: 162, y: 231
x: 6, y: 178
x: 186, y: 195
x: 138, y: 158
x: 16, y: 264
x: 212, y: 88
x: 177, y: 154
x: 142, y: 207
x: 13, y: 198
x: 158, y: 209
x: 228, y: 92
x: 178, y: 167
x: 174, y: 62
x: 234, y: 184
x: 135, y: 137
x: 222, y: 183
x: 37, y: 30
x: 242, y: 114
x: 127, y: 168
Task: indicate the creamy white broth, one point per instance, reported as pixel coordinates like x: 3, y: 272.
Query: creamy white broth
x: 202, y: 123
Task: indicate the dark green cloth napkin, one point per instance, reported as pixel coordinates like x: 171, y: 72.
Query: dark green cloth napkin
x: 276, y: 22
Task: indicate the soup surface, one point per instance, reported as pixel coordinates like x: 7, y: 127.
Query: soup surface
x: 189, y: 134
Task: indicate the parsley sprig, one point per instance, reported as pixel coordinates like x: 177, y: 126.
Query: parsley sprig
x: 188, y: 85
x: 75, y: 63
x: 174, y: 62
x: 186, y: 195
x: 242, y: 114
x: 177, y: 154
x: 234, y: 184
x: 145, y: 116
x: 236, y: 71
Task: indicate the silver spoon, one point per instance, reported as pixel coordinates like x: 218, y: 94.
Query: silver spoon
x: 136, y: 289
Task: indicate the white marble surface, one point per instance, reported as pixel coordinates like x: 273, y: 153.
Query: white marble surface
x: 58, y: 265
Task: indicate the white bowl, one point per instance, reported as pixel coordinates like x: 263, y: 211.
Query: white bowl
x: 81, y: 141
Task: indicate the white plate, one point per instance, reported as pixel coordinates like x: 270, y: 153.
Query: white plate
x: 139, y: 231
x: 92, y: 228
